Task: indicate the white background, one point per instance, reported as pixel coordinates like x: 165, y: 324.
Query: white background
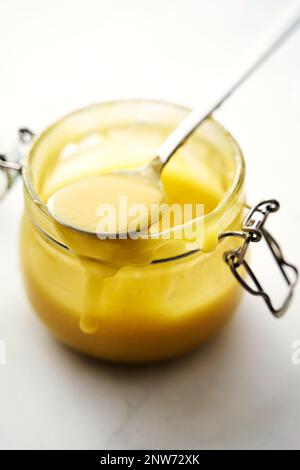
x: 242, y: 389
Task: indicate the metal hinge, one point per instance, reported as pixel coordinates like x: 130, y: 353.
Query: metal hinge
x: 12, y: 167
x: 252, y: 231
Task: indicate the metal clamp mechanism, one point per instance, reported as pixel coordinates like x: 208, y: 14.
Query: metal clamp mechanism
x: 253, y: 230
x: 11, y: 167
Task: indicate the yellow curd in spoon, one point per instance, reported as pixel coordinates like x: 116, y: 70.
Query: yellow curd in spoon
x: 122, y: 203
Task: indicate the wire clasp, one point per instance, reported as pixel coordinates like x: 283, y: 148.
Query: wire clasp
x: 11, y: 167
x: 253, y: 230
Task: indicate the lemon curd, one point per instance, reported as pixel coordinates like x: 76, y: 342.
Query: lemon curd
x: 130, y: 300
x: 126, y: 202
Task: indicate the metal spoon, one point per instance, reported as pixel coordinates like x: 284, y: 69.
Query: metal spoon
x: 273, y: 38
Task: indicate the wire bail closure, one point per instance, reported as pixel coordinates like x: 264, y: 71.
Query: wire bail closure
x: 13, y: 167
x: 253, y: 230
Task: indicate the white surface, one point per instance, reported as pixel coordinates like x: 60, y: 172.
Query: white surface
x: 239, y: 391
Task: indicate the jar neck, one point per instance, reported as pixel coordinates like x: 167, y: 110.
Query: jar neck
x: 206, y: 229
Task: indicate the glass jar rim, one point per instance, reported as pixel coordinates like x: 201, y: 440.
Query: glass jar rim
x: 227, y: 199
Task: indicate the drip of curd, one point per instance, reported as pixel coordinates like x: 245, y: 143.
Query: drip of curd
x: 80, y: 188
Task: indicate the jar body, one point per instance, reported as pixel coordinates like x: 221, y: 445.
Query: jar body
x: 143, y: 310
x: 146, y: 314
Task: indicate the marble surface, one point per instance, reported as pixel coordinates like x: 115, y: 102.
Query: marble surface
x: 242, y: 389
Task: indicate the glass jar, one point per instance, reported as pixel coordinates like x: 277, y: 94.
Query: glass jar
x: 134, y: 300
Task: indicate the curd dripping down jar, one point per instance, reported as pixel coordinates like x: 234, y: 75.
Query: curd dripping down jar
x: 138, y: 301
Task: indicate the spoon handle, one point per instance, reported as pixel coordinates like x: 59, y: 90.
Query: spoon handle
x: 275, y: 36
